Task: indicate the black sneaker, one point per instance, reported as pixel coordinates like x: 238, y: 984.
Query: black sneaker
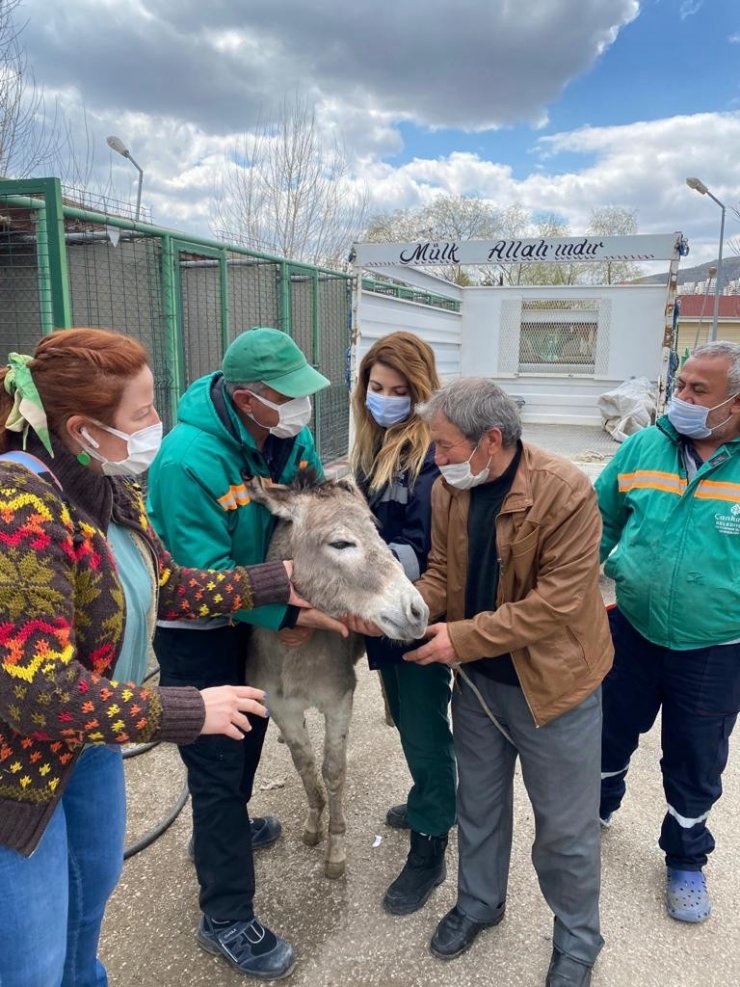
x: 265, y: 830
x: 456, y: 932
x: 423, y: 871
x: 249, y: 946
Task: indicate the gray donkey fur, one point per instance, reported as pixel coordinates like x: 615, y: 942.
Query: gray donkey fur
x: 341, y: 565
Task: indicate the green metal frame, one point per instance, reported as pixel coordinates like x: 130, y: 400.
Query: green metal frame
x: 410, y: 294
x: 45, y: 196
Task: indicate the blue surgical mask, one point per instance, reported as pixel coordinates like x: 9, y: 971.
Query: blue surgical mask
x: 691, y: 419
x: 388, y: 411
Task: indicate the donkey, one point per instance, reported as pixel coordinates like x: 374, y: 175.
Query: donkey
x: 341, y: 565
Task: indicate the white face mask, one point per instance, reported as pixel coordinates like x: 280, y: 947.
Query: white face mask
x: 292, y: 416
x: 460, y: 475
x: 141, y: 448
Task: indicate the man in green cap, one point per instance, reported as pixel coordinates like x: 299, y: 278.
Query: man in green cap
x: 248, y: 419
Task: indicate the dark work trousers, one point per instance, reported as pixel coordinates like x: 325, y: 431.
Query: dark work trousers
x: 220, y: 770
x: 699, y: 692
x: 419, y: 701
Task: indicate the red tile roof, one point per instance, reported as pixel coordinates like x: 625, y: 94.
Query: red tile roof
x: 693, y: 305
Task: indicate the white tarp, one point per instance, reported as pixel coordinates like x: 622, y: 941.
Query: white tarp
x: 628, y: 408
x: 554, y: 250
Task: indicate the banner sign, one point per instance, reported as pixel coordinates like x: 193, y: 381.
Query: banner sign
x: 551, y: 250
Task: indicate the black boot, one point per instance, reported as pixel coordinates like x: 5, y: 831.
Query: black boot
x: 423, y: 871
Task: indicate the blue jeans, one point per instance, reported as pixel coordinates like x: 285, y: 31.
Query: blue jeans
x: 53, y: 901
x: 699, y: 693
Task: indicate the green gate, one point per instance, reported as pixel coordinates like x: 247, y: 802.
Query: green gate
x: 184, y: 297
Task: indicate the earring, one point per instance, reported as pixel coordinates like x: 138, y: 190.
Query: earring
x: 83, y: 458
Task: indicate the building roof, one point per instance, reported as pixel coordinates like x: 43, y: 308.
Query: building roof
x: 692, y: 306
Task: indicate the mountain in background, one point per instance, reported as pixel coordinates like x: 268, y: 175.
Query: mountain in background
x: 730, y: 272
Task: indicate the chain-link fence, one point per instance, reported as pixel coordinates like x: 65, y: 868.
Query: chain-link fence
x: 184, y: 297
x: 555, y: 335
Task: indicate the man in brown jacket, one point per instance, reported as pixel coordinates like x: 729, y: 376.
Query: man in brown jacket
x: 513, y: 579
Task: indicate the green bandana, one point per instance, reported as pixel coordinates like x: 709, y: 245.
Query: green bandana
x: 27, y: 407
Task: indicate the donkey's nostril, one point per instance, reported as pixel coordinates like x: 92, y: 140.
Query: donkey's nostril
x: 416, y: 611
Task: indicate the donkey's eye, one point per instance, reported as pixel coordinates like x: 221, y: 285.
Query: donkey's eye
x: 343, y: 544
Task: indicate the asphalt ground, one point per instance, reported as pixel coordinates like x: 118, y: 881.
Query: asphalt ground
x: 340, y: 933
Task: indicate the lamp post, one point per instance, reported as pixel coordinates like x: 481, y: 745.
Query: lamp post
x: 711, y: 273
x: 116, y: 144
x: 698, y: 185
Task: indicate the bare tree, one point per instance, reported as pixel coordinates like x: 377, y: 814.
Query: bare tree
x: 734, y: 243
x: 538, y: 272
x: 446, y: 217
x: 289, y: 191
x: 461, y: 217
x: 613, y: 221
x: 28, y: 137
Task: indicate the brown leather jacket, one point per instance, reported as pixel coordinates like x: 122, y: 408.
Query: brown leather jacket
x: 550, y: 614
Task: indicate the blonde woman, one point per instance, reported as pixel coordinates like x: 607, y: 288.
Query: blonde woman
x: 393, y: 461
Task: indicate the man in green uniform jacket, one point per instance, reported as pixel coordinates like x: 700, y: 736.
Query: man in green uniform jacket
x: 670, y: 504
x: 249, y: 419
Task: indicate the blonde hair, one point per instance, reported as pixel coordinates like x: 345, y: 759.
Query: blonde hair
x: 382, y: 453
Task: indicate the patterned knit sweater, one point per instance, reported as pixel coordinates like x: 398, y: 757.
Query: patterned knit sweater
x: 62, y: 615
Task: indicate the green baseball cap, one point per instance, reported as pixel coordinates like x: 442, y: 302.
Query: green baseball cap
x: 271, y: 356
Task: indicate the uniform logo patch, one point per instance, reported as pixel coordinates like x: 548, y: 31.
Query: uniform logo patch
x: 729, y: 524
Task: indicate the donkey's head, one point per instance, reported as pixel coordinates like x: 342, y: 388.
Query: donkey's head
x: 341, y: 564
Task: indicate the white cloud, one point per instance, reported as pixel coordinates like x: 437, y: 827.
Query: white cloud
x: 734, y: 39
x: 640, y: 166
x: 180, y: 81
x: 690, y: 7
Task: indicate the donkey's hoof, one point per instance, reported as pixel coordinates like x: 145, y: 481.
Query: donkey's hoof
x: 311, y: 837
x: 334, y: 869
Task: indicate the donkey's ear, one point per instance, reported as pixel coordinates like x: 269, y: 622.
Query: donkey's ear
x: 278, y: 499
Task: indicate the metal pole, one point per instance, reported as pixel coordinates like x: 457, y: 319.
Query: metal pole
x: 141, y: 182
x: 704, y: 304
x: 717, y: 284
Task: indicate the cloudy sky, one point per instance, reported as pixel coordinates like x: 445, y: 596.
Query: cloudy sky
x: 559, y: 105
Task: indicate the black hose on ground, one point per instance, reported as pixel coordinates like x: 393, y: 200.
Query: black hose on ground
x: 153, y: 834
x: 148, y: 838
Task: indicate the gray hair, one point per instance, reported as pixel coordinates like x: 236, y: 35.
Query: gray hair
x: 255, y: 386
x: 726, y: 349
x: 474, y: 404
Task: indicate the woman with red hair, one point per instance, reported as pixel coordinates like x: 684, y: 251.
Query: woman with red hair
x: 83, y: 579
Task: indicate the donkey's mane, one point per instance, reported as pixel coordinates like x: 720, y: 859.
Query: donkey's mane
x: 308, y: 480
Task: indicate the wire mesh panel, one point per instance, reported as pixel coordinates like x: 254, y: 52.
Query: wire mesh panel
x: 335, y: 306
x: 301, y: 318
x: 200, y: 305
x: 24, y: 285
x: 254, y: 293
x: 558, y: 336
x: 115, y: 283
x: 301, y: 330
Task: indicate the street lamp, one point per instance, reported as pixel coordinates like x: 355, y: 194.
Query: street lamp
x: 698, y: 185
x: 116, y: 144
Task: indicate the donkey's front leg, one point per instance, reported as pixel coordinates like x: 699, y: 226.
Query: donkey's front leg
x: 291, y: 721
x: 334, y: 769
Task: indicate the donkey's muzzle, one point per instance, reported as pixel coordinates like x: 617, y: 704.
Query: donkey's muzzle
x: 407, y: 619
